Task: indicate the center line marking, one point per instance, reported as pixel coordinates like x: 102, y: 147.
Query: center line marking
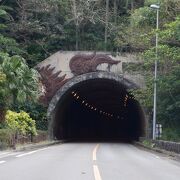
x: 28, y: 153
x: 95, y: 153
x: 1, y: 162
x: 96, y: 173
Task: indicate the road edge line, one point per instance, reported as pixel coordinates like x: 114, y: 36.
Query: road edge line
x: 1, y: 162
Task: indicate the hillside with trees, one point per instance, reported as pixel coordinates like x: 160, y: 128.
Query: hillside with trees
x: 32, y: 30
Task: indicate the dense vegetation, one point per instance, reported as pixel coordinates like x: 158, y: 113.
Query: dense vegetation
x: 168, y: 83
x: 31, y: 30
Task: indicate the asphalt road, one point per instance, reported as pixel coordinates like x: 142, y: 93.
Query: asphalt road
x: 87, y: 161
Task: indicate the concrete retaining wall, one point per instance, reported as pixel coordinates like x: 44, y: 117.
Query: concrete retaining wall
x: 167, y: 145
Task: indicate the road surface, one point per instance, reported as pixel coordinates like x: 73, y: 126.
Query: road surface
x: 87, y: 161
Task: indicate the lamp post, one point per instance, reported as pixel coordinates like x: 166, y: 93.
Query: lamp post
x: 156, y: 7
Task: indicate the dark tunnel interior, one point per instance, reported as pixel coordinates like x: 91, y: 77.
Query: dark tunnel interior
x: 98, y: 109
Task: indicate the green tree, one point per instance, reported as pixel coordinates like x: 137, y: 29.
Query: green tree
x: 18, y: 83
x: 20, y: 123
x: 36, y: 111
x: 168, y: 73
x: 21, y: 81
x: 8, y: 44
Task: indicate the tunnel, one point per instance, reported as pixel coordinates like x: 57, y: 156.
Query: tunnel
x: 97, y: 106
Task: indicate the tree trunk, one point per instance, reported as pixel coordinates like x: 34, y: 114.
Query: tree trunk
x: 76, y: 23
x: 83, y: 45
x: 106, y: 25
x: 2, y: 114
x: 132, y: 5
x: 115, y: 11
x: 77, y: 37
x: 127, y: 3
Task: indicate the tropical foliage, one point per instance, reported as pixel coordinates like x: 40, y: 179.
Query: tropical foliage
x: 21, y: 82
x: 20, y: 123
x: 168, y: 83
x: 31, y: 30
x: 18, y: 82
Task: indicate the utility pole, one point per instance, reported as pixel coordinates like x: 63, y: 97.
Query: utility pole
x: 156, y: 7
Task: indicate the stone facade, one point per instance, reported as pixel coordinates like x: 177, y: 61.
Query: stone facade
x: 62, y: 66
x: 60, y: 61
x: 64, y: 69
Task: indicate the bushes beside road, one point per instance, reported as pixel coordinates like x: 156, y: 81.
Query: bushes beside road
x: 20, y: 123
x: 19, y: 128
x: 7, y: 138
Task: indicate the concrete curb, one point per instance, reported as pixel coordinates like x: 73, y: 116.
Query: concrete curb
x: 37, y: 145
x: 175, y: 156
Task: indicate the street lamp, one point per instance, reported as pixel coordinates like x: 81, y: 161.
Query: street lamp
x: 156, y: 7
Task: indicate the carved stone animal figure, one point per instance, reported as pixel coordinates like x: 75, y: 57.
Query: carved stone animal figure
x: 81, y: 63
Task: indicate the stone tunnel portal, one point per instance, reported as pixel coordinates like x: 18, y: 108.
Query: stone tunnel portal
x: 98, y: 108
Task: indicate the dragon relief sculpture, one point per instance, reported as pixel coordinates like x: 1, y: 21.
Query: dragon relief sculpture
x: 81, y: 63
x: 51, y: 83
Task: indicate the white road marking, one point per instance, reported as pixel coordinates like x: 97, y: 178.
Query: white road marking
x: 31, y: 152
x: 96, y: 173
x: 157, y: 157
x: 7, y: 154
x: 1, y: 162
x: 95, y: 153
x: 4, y: 153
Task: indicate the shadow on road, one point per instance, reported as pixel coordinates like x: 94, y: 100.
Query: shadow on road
x: 100, y: 140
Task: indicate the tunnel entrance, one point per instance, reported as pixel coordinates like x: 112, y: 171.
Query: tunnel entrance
x: 98, y: 108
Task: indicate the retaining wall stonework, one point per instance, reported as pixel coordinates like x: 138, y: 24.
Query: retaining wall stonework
x: 167, y: 145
